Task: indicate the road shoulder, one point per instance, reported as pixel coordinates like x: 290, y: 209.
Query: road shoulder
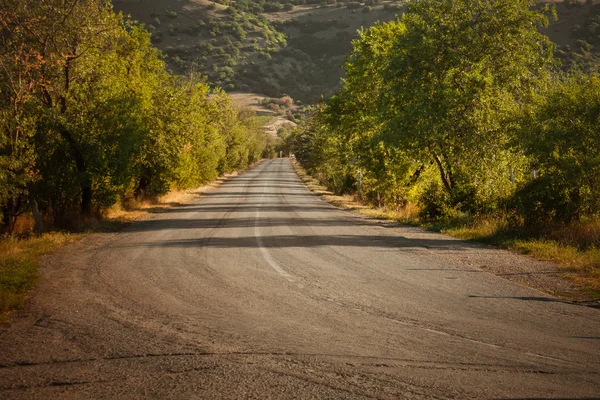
x: 544, y: 276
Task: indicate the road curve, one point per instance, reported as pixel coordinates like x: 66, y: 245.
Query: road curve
x: 259, y: 289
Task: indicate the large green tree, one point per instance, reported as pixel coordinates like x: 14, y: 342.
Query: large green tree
x: 462, y: 68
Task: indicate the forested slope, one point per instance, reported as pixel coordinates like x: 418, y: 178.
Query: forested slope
x: 270, y: 47
x: 279, y: 47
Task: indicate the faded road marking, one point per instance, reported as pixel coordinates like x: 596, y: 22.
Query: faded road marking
x: 263, y: 250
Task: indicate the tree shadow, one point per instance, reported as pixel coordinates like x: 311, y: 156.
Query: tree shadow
x: 525, y: 298
x: 588, y: 303
x: 310, y: 241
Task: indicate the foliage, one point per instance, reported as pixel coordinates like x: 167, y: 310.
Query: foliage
x: 89, y: 115
x: 452, y: 107
x: 562, y: 139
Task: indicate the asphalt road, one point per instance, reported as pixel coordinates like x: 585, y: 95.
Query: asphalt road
x: 259, y: 289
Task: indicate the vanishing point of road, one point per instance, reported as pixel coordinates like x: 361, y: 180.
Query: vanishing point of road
x: 259, y: 289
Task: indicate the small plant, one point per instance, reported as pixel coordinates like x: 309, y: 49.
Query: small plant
x: 171, y: 14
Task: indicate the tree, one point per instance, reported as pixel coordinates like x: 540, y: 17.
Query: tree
x: 353, y: 115
x: 561, y: 136
x: 68, y: 42
x: 89, y: 115
x: 460, y: 70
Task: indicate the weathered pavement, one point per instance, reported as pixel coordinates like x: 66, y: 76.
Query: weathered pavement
x: 259, y: 289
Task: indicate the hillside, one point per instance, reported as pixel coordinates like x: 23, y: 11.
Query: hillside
x: 276, y: 48
x: 296, y: 52
x: 577, y: 34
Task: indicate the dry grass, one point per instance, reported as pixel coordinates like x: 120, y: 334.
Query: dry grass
x: 407, y: 215
x: 575, y: 248
x: 19, y: 254
x: 18, y: 265
x: 136, y: 209
x: 572, y: 247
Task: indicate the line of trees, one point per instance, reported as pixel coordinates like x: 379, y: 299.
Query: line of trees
x: 90, y: 116
x: 459, y: 106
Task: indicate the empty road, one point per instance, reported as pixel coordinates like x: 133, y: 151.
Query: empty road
x: 259, y: 289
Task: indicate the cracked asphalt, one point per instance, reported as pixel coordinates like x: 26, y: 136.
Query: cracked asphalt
x: 259, y: 289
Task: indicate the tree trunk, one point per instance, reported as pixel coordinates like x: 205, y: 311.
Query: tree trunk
x: 443, y: 174
x: 85, y: 181
x: 144, y: 183
x: 415, y: 177
x: 38, y: 228
x: 10, y: 212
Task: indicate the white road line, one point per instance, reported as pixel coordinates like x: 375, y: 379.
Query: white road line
x: 263, y: 250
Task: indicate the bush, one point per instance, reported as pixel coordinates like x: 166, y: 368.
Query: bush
x: 544, y: 200
x: 434, y: 203
x: 272, y: 7
x: 562, y: 141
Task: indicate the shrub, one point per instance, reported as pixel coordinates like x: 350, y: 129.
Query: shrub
x: 272, y: 7
x: 562, y: 143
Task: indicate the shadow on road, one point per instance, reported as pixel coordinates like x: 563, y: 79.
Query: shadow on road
x: 588, y: 303
x: 281, y: 241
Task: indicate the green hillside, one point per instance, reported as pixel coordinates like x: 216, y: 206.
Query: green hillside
x: 279, y: 47
x: 271, y: 48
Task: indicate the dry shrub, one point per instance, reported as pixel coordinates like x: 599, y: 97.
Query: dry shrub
x: 583, y: 235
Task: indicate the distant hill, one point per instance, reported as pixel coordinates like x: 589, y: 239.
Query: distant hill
x: 296, y: 50
x: 274, y: 47
x: 577, y: 34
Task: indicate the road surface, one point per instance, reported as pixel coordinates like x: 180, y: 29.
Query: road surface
x: 259, y: 289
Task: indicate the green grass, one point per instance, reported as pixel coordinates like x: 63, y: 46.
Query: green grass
x: 19, y: 266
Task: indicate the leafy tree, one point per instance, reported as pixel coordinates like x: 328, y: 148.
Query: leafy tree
x: 562, y: 138
x: 89, y: 115
x: 59, y: 37
x: 460, y: 70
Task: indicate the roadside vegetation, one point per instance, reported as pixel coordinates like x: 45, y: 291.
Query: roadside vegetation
x: 90, y: 119
x: 459, y: 117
